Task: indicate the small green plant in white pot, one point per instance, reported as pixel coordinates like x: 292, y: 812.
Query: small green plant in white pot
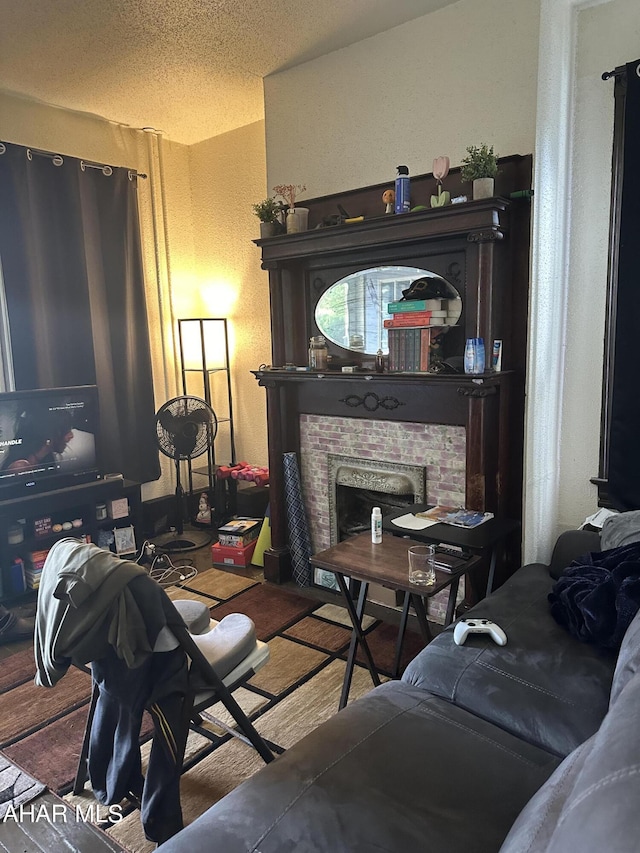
x: 480, y: 167
x: 269, y: 213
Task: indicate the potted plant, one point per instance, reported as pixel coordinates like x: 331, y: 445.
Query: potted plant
x: 268, y: 212
x: 480, y: 166
x: 297, y: 217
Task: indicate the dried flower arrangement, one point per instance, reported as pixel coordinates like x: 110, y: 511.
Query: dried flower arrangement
x: 289, y: 192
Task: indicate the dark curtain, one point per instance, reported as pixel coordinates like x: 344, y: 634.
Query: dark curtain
x: 624, y: 438
x: 72, y: 268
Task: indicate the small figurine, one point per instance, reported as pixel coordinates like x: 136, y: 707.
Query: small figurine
x: 440, y: 172
x: 204, y: 510
x: 389, y: 198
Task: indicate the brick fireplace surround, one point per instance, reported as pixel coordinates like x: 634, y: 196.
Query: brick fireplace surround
x: 440, y: 448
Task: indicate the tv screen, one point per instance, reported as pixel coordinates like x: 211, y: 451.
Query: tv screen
x: 47, y: 439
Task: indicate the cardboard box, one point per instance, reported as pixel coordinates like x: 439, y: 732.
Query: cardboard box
x: 239, y: 532
x: 225, y: 555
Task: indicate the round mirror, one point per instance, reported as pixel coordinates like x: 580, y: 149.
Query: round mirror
x: 352, y: 312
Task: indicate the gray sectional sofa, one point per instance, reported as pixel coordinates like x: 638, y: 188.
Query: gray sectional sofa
x: 534, y: 746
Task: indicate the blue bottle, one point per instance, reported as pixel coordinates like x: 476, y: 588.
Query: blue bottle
x: 480, y: 357
x: 403, y: 198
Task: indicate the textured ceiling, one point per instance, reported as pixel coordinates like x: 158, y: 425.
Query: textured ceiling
x: 191, y: 68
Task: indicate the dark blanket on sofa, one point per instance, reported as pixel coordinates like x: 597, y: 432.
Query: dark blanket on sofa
x: 598, y: 595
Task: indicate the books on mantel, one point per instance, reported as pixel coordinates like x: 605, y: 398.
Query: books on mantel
x: 410, y: 350
x: 410, y: 305
x: 455, y: 515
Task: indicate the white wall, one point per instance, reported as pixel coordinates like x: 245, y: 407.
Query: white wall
x: 459, y: 76
x: 228, y: 175
x: 608, y: 35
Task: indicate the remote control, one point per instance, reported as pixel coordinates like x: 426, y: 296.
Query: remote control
x: 478, y: 626
x: 453, y: 552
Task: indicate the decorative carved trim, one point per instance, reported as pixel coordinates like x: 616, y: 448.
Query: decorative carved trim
x: 486, y: 236
x: 478, y: 391
x: 371, y: 402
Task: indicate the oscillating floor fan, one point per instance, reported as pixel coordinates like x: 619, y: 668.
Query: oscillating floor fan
x: 185, y: 428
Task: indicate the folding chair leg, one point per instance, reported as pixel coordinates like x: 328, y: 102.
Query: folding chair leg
x: 82, y: 773
x: 245, y: 725
x: 223, y: 693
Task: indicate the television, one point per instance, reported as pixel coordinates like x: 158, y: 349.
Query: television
x: 48, y: 439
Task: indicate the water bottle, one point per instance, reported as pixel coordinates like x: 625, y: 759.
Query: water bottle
x: 474, y: 359
x: 479, y: 356
x: 376, y: 525
x: 470, y: 355
x: 403, y: 200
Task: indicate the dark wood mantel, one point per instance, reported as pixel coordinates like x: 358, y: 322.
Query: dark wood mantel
x: 486, y: 243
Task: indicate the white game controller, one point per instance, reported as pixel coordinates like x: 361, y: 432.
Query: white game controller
x: 478, y: 626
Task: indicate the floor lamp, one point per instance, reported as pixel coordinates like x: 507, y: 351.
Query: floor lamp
x: 205, y: 365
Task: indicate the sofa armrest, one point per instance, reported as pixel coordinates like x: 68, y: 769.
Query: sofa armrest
x: 569, y: 546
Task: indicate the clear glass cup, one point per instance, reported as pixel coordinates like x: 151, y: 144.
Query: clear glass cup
x: 421, y: 565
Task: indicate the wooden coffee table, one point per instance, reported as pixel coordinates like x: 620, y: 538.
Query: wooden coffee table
x: 387, y: 564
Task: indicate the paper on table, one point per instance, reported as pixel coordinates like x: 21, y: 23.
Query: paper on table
x: 410, y: 522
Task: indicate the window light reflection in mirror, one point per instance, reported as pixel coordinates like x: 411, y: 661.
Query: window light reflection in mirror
x: 351, y: 313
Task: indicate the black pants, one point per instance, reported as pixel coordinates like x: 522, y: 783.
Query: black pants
x: 160, y: 686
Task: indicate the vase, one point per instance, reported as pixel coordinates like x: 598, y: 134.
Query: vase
x: 483, y: 188
x: 267, y: 229
x: 297, y: 219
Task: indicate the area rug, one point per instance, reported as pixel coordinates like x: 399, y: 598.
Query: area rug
x: 299, y: 688
x: 16, y: 787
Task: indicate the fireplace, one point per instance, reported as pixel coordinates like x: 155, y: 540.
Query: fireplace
x: 409, y: 462
x: 348, y: 463
x: 357, y: 485
x: 465, y: 431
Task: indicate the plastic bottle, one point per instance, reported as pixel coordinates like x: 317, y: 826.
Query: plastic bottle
x: 403, y: 197
x: 470, y: 355
x: 376, y: 525
x: 480, y: 359
x: 474, y: 356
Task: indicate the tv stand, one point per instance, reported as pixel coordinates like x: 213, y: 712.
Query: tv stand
x: 21, y: 517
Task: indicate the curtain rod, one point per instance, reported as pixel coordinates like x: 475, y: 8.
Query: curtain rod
x: 58, y: 160
x: 617, y: 72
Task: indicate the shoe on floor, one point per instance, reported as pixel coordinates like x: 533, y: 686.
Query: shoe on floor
x: 14, y: 628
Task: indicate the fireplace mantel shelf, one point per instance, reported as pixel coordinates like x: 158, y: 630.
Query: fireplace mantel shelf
x: 475, y: 220
x: 273, y: 374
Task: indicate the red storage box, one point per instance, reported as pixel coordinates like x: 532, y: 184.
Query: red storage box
x: 226, y: 555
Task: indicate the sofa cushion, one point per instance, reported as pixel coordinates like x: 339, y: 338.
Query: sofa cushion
x: 590, y: 803
x: 398, y: 770
x: 569, y: 546
x: 544, y: 685
x: 628, y: 662
x: 621, y: 529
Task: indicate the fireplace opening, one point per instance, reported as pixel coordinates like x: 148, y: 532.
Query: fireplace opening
x: 354, y: 507
x: 357, y: 485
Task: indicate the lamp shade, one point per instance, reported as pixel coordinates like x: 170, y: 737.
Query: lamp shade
x: 203, y: 344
